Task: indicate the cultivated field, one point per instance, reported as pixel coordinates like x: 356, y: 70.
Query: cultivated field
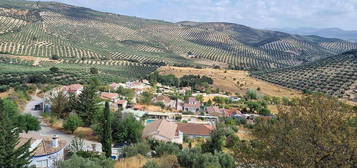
x: 233, y: 81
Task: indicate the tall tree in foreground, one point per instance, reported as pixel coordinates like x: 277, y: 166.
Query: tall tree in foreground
x: 315, y: 131
x: 11, y: 154
x: 106, y: 138
x: 87, y: 103
x: 127, y: 130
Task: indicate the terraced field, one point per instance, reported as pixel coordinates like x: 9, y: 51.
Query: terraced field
x: 44, y: 29
x: 336, y: 75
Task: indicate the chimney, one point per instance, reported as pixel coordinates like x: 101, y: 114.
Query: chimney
x: 54, y: 142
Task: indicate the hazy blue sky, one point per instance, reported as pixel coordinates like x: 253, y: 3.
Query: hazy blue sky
x: 255, y: 13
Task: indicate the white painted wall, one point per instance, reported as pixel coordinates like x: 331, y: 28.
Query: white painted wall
x: 48, y: 161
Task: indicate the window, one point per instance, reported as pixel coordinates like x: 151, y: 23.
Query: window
x: 42, y: 163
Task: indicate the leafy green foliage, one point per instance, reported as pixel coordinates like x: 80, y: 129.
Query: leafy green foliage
x: 11, y: 155
x: 127, y: 92
x: 151, y: 164
x: 61, y: 104
x: 94, y: 70
x: 128, y: 130
x: 146, y: 97
x: 27, y: 122
x: 106, y: 138
x: 73, y: 122
x: 314, y: 131
x: 194, y: 158
x: 54, y: 69
x: 166, y: 149
x: 87, y: 104
x: 142, y: 148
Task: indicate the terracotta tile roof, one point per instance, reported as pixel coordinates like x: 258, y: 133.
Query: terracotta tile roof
x: 231, y: 112
x: 162, y: 128
x: 195, y: 129
x: 213, y: 109
x: 73, y: 88
x: 122, y: 101
x: 187, y: 105
x: 44, y: 144
x: 107, y: 95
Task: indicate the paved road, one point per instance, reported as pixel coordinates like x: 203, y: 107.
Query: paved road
x: 48, y: 131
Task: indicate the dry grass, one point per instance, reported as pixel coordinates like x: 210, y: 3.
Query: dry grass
x: 244, y: 133
x: 132, y: 162
x: 36, y: 60
x: 7, y: 93
x: 58, y: 125
x: 273, y: 109
x: 86, y: 133
x: 233, y: 81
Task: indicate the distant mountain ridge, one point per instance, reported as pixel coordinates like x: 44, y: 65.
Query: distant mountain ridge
x: 349, y: 35
x: 77, y: 34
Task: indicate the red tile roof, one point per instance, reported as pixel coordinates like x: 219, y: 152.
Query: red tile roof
x: 121, y: 101
x: 73, y: 88
x: 107, y: 95
x: 162, y: 128
x: 195, y: 129
x: 187, y: 105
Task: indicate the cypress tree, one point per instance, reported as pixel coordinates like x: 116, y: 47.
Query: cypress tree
x: 107, y: 132
x: 87, y: 104
x: 11, y: 155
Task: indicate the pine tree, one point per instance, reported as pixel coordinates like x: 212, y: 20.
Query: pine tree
x: 87, y: 104
x: 107, y: 132
x: 11, y: 155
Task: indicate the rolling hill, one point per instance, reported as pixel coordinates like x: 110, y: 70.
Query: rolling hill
x: 335, y: 75
x: 44, y: 29
x: 349, y: 35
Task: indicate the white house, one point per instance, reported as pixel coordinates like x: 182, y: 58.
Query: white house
x: 47, y: 151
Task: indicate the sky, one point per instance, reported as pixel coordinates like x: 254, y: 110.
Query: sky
x: 254, y: 13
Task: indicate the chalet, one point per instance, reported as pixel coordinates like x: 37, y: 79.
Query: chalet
x: 163, y: 130
x: 192, y: 105
x: 193, y: 130
x: 47, y: 151
x: 73, y: 89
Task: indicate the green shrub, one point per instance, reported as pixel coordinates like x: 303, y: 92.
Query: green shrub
x: 72, y: 122
x: 142, y: 148
x: 166, y: 149
x: 151, y: 164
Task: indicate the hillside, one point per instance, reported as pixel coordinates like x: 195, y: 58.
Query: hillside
x: 232, y: 81
x: 349, y: 35
x: 80, y: 35
x: 336, y: 75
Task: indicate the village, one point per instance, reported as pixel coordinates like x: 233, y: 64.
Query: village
x: 168, y: 114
